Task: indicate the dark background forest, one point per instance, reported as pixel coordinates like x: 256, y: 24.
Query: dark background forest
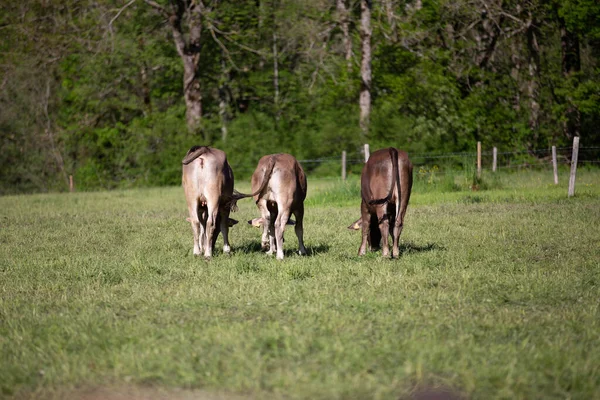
x: 115, y: 92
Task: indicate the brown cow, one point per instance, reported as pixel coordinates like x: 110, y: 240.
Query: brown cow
x: 208, y: 184
x: 279, y: 188
x: 385, y: 182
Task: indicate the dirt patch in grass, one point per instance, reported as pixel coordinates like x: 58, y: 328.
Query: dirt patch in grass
x: 132, y: 393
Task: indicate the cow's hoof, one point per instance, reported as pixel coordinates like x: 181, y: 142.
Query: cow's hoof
x: 226, y: 250
x: 302, y: 252
x: 280, y: 256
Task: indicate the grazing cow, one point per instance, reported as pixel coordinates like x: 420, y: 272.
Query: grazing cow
x: 208, y: 184
x: 385, y: 184
x: 279, y: 188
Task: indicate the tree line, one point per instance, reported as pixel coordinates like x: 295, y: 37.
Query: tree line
x: 114, y: 92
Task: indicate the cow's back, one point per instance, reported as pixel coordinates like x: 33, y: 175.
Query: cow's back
x: 377, y: 176
x: 285, y: 178
x: 209, y: 174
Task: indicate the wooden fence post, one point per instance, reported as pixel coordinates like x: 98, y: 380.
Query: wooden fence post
x: 344, y: 165
x: 367, y: 154
x: 554, y: 165
x: 573, y: 166
x: 495, y: 159
x: 478, y: 159
x: 71, y: 185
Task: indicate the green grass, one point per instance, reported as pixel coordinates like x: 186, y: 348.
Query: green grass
x: 496, y: 295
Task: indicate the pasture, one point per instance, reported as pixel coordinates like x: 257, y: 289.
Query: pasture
x: 495, y: 296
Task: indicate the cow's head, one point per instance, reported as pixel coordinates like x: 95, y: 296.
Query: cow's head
x: 258, y: 222
x: 230, y: 221
x: 356, y: 225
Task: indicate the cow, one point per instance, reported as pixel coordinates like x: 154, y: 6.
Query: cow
x: 385, y: 185
x: 207, y: 181
x: 279, y: 189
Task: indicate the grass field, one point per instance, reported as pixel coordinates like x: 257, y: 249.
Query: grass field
x: 496, y: 296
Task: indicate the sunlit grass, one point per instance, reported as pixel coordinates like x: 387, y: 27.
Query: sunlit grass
x: 495, y: 295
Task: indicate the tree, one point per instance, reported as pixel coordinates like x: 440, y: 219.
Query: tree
x: 365, y: 66
x: 189, y: 49
x: 343, y: 16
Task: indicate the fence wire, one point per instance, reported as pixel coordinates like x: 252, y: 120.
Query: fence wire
x: 450, y: 162
x: 447, y: 163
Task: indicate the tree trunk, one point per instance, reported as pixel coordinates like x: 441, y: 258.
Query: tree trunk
x: 223, y: 99
x: 365, y: 66
x: 275, y: 77
x: 571, y: 64
x: 145, y: 81
x: 191, y: 59
x: 532, y: 85
x: 344, y: 21
x: 391, y: 20
x: 515, y: 71
x: 49, y: 133
x: 189, y: 53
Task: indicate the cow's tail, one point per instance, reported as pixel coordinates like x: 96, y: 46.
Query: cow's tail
x: 193, y: 153
x: 263, y: 184
x: 395, y: 178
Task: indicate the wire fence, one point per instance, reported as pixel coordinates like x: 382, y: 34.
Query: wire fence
x: 446, y: 163
x: 331, y: 167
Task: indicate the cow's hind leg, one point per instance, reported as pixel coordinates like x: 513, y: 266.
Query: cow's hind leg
x: 195, y: 222
x: 299, y: 213
x: 384, y: 228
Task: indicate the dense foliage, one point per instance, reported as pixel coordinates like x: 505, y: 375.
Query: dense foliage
x: 94, y: 88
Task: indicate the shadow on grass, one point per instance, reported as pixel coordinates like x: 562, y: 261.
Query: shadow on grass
x: 291, y: 250
x: 411, y: 248
x: 405, y: 250
x: 415, y: 248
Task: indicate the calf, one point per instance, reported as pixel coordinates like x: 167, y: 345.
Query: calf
x: 208, y: 185
x: 385, y: 182
x: 279, y: 188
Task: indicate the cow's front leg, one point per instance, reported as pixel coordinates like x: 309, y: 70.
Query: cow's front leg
x: 396, y: 244
x: 212, y: 210
x: 224, y: 225
x: 366, y: 223
x: 280, y: 223
x: 202, y: 230
x: 264, y: 225
x: 399, y: 224
x: 195, y: 222
x: 271, y: 213
x: 396, y: 236
x: 270, y: 226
